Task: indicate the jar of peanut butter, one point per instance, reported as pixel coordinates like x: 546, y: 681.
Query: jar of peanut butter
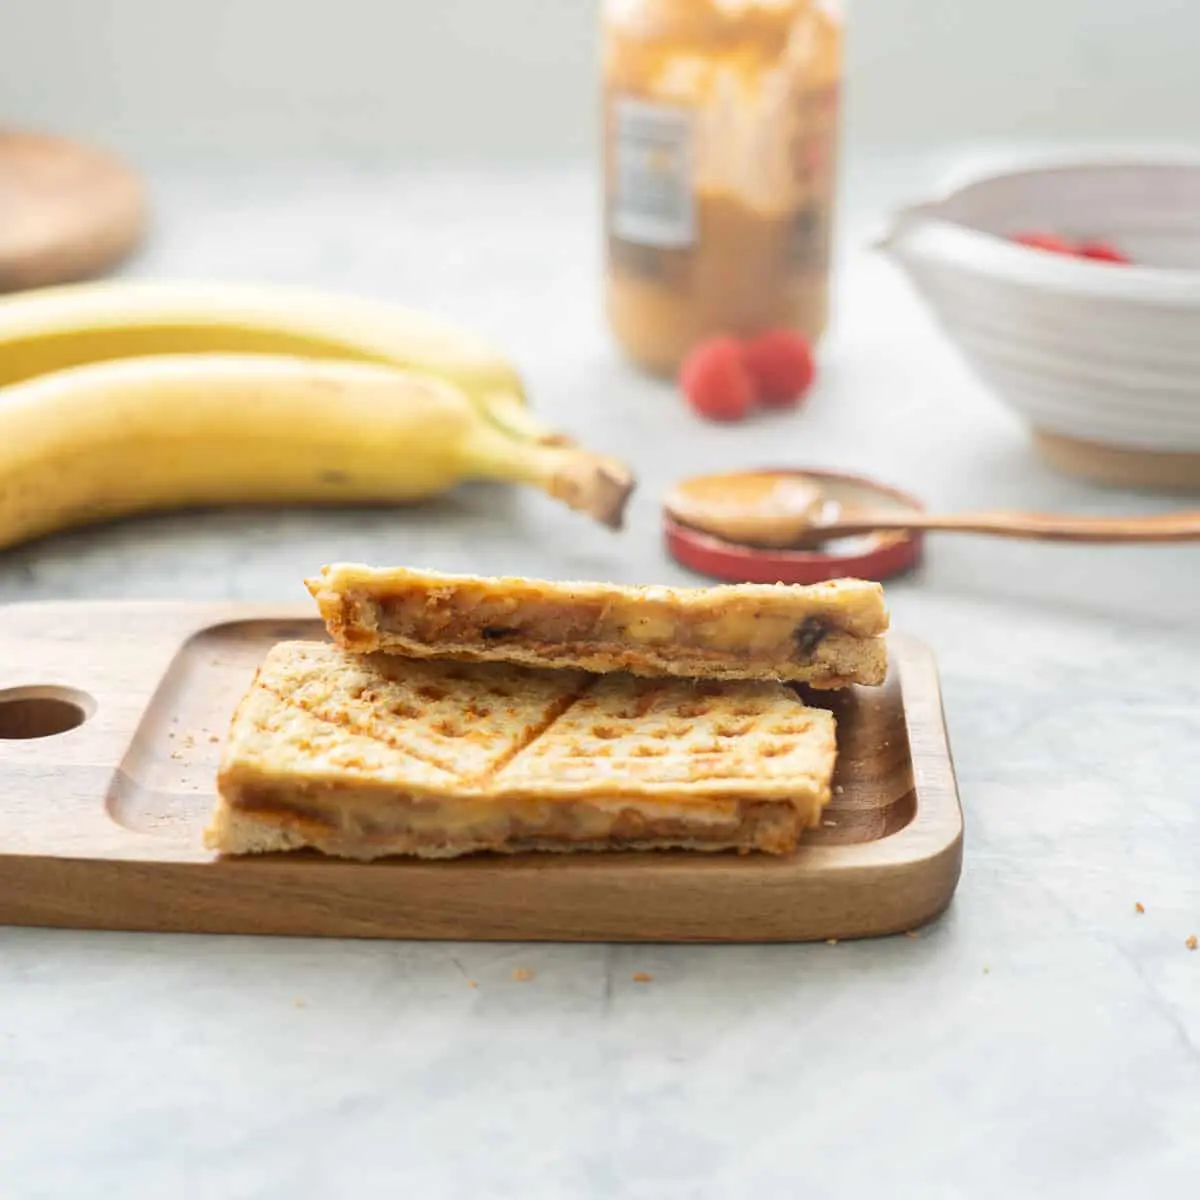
x: 720, y: 139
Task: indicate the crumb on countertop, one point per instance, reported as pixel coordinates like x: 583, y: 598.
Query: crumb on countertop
x: 298, y: 1002
x: 1138, y: 906
x: 831, y: 941
x: 642, y: 977
x: 911, y: 933
x: 1192, y: 942
x: 472, y: 983
x: 214, y: 738
x: 522, y: 974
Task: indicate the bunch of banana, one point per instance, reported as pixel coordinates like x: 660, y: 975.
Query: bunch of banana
x: 119, y: 398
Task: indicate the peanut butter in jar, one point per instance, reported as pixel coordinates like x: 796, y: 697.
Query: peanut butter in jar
x: 720, y: 140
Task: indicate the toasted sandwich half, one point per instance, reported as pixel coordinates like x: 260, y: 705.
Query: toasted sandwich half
x: 827, y: 635
x: 365, y: 757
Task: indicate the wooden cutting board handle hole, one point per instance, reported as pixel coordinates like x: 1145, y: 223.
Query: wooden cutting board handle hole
x: 41, y: 712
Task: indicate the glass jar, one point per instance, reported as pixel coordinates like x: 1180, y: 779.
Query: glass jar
x: 720, y: 140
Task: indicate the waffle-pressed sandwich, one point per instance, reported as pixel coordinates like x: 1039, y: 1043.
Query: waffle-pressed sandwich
x: 378, y: 755
x: 827, y: 634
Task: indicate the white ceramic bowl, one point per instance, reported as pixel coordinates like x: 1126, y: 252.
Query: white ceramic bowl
x: 1089, y: 353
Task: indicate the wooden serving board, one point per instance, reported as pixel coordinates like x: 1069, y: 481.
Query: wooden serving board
x: 67, y: 211
x: 111, y: 723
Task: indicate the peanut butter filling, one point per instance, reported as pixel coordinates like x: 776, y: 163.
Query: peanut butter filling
x: 368, y: 824
x: 584, y: 629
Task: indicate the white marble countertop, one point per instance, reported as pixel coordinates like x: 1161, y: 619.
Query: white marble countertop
x: 1041, y: 1039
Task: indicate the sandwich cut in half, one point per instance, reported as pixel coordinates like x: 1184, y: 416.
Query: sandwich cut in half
x: 364, y: 757
x: 827, y: 635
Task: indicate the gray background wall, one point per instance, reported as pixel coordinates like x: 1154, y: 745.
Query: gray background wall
x: 515, y: 79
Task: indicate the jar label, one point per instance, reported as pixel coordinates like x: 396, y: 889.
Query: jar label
x: 652, y: 202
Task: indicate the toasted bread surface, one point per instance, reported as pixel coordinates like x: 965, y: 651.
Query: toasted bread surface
x: 365, y: 756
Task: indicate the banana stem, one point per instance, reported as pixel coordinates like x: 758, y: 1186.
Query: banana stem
x: 587, y: 482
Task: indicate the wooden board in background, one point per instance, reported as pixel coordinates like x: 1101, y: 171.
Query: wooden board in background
x: 67, y: 211
x: 101, y: 816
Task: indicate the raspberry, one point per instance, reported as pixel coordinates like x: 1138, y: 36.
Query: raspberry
x: 1044, y: 241
x: 1102, y: 252
x: 780, y: 362
x: 716, y: 382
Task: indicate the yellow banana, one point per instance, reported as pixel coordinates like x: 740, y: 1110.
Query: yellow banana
x: 110, y: 439
x: 67, y: 326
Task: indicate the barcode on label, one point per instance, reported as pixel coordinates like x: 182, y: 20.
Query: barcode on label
x: 653, y: 203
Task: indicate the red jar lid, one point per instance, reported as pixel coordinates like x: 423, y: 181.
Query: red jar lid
x: 876, y: 556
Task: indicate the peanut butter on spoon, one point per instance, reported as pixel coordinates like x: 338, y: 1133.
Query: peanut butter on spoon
x: 781, y: 526
x: 756, y: 509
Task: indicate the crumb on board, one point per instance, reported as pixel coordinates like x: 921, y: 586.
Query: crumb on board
x: 214, y: 738
x: 642, y: 977
x: 838, y: 790
x: 1138, y: 906
x: 829, y: 824
x: 522, y: 974
x: 1192, y: 942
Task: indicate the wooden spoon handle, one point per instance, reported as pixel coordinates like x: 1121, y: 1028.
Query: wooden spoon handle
x: 1169, y: 527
